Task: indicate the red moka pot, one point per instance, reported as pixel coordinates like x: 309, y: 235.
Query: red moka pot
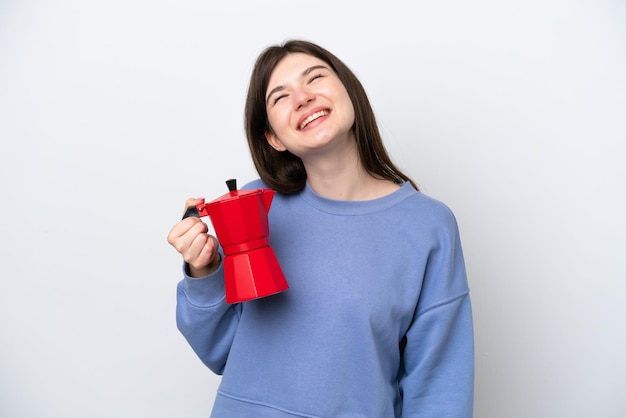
x: 239, y: 217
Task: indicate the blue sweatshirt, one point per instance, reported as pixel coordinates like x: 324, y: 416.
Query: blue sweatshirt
x: 376, y: 323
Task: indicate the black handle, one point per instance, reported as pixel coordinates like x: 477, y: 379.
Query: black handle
x: 191, y: 211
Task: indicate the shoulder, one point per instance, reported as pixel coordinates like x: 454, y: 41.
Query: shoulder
x: 429, y: 208
x: 254, y: 184
x: 427, y: 220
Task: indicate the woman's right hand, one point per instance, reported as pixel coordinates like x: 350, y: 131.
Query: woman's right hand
x: 191, y: 239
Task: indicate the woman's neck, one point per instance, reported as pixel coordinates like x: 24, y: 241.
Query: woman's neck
x: 343, y: 177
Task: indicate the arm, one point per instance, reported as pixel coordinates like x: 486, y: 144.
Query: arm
x: 437, y: 376
x: 438, y: 372
x: 202, y: 315
x: 204, y: 318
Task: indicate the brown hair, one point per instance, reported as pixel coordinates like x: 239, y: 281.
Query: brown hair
x: 285, y: 172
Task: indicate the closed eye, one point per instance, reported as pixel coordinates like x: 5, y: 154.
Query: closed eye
x: 316, y: 76
x: 276, y: 99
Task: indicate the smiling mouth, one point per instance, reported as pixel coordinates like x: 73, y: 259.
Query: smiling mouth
x: 313, y: 117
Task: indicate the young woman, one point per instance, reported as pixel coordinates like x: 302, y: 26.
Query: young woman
x: 377, y: 320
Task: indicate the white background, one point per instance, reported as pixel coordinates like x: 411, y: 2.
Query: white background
x: 113, y: 112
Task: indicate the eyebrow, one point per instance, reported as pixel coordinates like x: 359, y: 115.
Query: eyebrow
x: 304, y: 74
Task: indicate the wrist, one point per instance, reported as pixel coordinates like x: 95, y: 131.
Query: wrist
x: 197, y: 272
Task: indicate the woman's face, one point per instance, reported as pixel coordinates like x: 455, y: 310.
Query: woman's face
x: 307, y: 106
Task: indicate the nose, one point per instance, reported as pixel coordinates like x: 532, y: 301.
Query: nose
x: 303, y: 97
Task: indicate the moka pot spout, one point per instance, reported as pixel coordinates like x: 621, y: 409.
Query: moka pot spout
x: 268, y: 196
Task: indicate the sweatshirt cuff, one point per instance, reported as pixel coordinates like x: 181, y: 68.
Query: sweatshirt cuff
x: 204, y: 291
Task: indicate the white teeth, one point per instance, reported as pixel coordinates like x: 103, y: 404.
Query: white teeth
x: 312, y: 118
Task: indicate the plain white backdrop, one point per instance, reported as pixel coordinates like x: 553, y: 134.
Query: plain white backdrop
x: 113, y: 112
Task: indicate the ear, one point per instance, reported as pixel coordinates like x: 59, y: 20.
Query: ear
x: 274, y: 141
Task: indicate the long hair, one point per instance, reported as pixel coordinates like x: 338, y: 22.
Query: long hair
x: 284, y: 171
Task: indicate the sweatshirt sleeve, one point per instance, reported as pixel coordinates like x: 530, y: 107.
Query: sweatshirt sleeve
x: 437, y: 377
x: 204, y: 318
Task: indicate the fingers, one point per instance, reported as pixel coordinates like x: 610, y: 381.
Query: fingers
x: 201, y: 251
x: 184, y: 231
x: 191, y: 239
